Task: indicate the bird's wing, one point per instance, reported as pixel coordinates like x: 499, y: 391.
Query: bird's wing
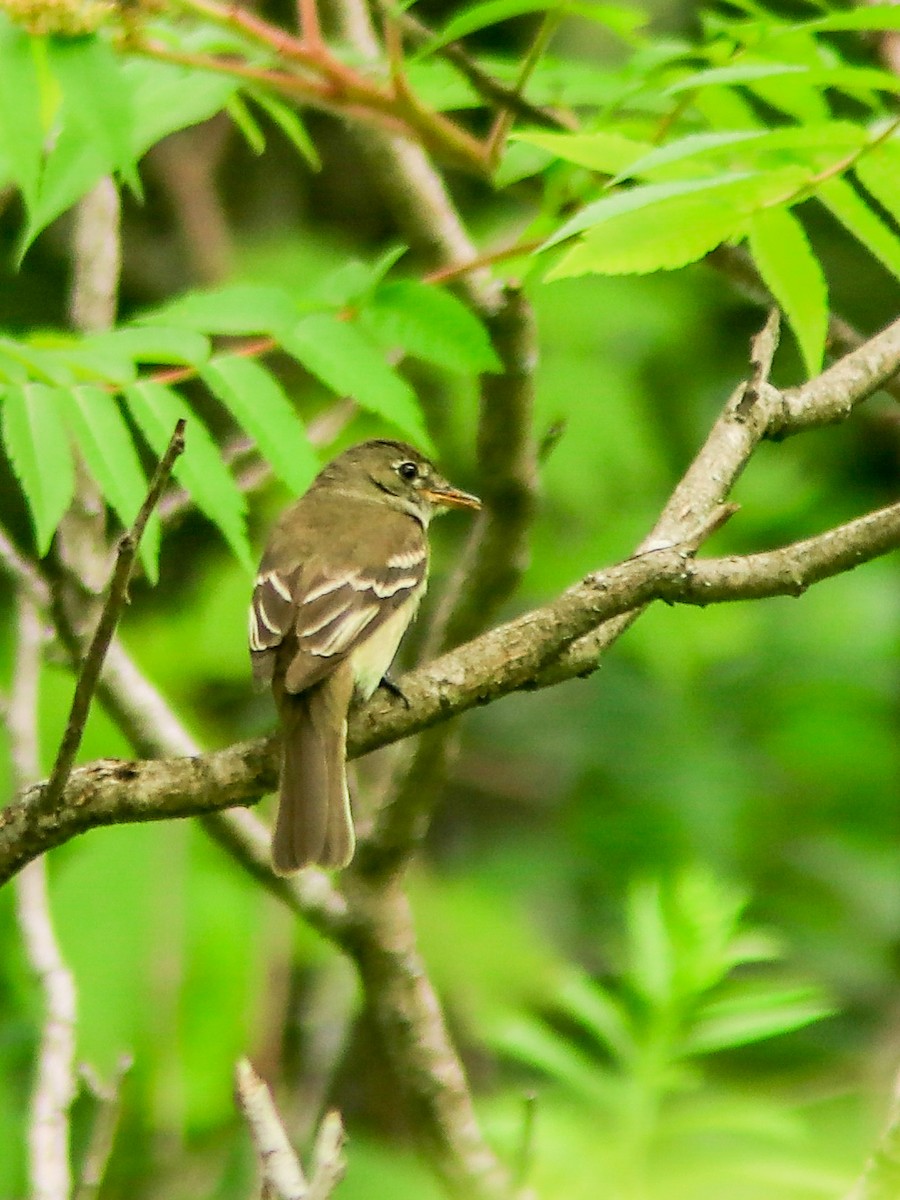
x: 321, y: 612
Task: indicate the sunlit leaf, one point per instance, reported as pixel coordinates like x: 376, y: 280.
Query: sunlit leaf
x: 609, y: 153
x: 96, y: 97
x: 167, y: 97
x: 749, y: 146
x: 75, y: 163
x: 38, y: 447
x: 879, y: 172
x: 845, y: 78
x: 289, y: 122
x: 154, y: 344
x: 246, y: 122
x: 753, y: 1013
x: 844, y: 203
x: 792, y: 273
x: 240, y: 308
x: 491, y: 12
x: 21, y: 129
x: 338, y: 354
x: 156, y: 410
x: 671, y: 234
x: 259, y: 404
x: 432, y: 324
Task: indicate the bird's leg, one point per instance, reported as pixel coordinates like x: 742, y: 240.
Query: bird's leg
x: 394, y: 688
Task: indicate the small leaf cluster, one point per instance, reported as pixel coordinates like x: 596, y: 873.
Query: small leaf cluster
x: 95, y: 394
x: 719, y: 141
x: 695, y: 979
x: 73, y: 110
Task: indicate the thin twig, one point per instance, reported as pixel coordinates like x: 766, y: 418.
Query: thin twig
x: 116, y: 599
x: 489, y: 88
x: 328, y: 1164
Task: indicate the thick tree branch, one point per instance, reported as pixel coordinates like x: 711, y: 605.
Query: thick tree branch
x: 510, y: 657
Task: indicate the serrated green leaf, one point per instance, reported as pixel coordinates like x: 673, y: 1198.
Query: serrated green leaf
x: 167, y: 97
x: 240, y: 308
x: 200, y: 469
x: 746, y: 191
x: 288, y: 121
x: 338, y: 354
x: 793, y: 275
x: 430, y: 324
x: 746, y: 147
x: 671, y: 234
x: 259, y: 405
x: 21, y: 128
x: 154, y: 344
x: 879, y: 172
x: 73, y: 166
x: 105, y: 441
x: 96, y: 98
x: 521, y: 161
x: 610, y: 153
x: 752, y: 1014
x: 38, y: 448
x: 844, y: 203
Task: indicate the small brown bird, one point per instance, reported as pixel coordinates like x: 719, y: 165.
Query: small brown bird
x: 339, y: 582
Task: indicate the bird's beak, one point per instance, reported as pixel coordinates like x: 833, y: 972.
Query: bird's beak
x: 443, y: 493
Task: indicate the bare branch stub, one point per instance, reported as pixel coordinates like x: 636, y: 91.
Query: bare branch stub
x: 278, y: 1161
x: 116, y: 599
x: 53, y: 1090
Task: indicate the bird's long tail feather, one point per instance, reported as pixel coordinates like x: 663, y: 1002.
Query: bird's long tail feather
x: 314, y: 823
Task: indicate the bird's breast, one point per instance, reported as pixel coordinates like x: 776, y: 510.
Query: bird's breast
x: 371, y: 659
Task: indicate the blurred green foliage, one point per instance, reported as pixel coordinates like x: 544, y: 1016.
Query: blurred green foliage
x: 591, y: 895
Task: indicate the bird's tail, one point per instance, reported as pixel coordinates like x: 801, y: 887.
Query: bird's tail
x: 314, y: 824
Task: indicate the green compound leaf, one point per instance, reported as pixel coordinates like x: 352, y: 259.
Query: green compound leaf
x: 259, y: 404
x: 200, y: 469
x: 793, y: 275
x: 38, y: 447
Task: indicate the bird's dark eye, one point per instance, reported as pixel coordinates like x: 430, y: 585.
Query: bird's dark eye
x: 407, y: 470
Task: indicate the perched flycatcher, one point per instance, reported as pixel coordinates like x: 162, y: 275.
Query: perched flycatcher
x: 340, y: 580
